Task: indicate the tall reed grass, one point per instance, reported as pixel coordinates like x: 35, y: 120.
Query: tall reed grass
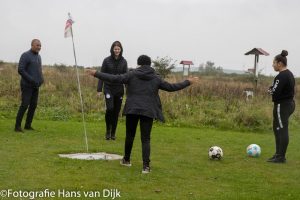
x: 217, y: 101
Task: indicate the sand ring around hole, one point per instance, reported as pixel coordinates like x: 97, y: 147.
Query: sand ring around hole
x: 92, y: 156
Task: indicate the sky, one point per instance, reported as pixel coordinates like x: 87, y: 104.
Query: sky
x: 220, y: 31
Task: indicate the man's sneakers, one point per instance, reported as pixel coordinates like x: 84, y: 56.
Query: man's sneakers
x: 277, y: 159
x: 19, y: 130
x: 125, y: 163
x: 29, y: 128
x: 146, y: 169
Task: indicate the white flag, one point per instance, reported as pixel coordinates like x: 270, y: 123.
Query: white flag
x: 68, y: 28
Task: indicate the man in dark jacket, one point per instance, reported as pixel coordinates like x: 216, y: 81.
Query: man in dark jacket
x: 142, y: 103
x: 113, y: 64
x: 30, y: 69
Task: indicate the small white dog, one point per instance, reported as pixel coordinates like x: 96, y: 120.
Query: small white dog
x: 249, y: 93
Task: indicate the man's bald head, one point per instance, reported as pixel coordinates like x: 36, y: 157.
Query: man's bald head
x: 36, y: 45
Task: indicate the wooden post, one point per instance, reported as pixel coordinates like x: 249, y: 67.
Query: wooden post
x: 255, y: 72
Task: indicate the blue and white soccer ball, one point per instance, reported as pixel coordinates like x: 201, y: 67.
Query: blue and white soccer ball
x: 253, y: 150
x: 215, y: 153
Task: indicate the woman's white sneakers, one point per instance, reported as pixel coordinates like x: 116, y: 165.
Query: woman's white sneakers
x: 146, y: 169
x: 125, y: 163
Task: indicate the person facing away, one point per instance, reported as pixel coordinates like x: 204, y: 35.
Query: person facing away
x: 30, y: 69
x: 113, y: 64
x: 142, y: 103
x: 282, y: 92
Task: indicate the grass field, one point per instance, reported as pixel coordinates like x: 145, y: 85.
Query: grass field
x: 180, y: 166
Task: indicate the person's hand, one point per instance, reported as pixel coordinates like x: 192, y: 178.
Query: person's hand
x: 91, y: 72
x: 270, y: 90
x: 36, y: 84
x: 99, y: 94
x: 193, y: 80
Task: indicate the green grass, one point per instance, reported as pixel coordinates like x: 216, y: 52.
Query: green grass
x: 180, y: 166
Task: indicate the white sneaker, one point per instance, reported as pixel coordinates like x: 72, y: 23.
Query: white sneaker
x: 125, y: 163
x: 146, y: 170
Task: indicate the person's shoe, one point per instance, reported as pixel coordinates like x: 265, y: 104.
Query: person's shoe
x: 113, y: 137
x: 146, y: 169
x: 125, y: 163
x: 113, y: 134
x: 107, y: 136
x: 279, y: 160
x: 272, y: 158
x: 19, y: 130
x: 29, y: 128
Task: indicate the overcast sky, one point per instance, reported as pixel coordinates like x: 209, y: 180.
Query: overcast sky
x: 199, y: 30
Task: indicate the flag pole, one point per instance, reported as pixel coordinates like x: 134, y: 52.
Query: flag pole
x: 80, y: 94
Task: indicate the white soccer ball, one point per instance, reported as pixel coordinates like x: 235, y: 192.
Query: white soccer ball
x: 215, y: 153
x: 253, y: 150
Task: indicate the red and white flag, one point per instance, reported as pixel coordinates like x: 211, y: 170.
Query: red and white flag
x: 68, y: 28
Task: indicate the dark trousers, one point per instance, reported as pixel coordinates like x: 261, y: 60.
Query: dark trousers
x: 145, y: 127
x: 281, y: 114
x: 113, y: 107
x: 29, y: 100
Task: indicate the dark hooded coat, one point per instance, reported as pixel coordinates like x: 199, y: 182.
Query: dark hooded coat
x: 143, y: 85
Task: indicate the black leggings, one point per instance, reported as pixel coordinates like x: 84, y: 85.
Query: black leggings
x: 281, y: 114
x: 145, y: 127
x: 113, y: 107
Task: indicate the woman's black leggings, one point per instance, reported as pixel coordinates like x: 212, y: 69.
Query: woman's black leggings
x: 281, y: 114
x: 113, y: 107
x: 145, y: 127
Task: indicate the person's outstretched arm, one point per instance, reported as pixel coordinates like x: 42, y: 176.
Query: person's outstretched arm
x: 122, y: 78
x: 171, y: 87
x: 100, y: 82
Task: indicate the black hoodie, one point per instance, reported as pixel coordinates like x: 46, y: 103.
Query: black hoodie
x: 115, y: 66
x: 143, y: 85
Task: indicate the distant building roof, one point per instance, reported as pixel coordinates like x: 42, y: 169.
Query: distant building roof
x: 257, y: 51
x: 251, y: 70
x: 186, y: 62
